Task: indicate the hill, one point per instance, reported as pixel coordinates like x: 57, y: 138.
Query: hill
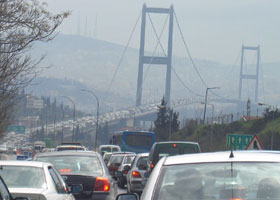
x: 265, y: 128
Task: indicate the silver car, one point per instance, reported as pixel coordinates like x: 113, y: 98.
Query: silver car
x: 34, y: 180
x: 136, y: 173
x: 218, y: 176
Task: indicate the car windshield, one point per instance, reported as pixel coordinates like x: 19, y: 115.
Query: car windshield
x: 23, y: 177
x: 218, y: 181
x: 79, y: 165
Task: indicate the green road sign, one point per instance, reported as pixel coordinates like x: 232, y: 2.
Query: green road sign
x: 17, y: 129
x: 238, y: 142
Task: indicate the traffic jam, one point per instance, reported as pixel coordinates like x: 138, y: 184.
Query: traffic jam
x: 127, y: 169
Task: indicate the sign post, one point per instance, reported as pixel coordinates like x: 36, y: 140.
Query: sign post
x: 16, y: 128
x: 238, y: 141
x: 254, y: 144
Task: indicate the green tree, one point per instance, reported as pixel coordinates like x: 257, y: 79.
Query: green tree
x: 166, y: 123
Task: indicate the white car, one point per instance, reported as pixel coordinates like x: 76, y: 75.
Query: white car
x: 34, y: 180
x: 227, y: 175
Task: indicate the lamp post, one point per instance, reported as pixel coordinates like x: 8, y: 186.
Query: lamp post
x: 97, y: 115
x: 212, y: 105
x: 273, y: 116
x: 74, y: 111
x: 205, y: 102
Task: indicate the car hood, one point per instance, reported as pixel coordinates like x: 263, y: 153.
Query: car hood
x: 32, y: 193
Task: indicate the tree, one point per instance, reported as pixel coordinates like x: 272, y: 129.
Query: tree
x: 166, y: 122
x: 23, y: 22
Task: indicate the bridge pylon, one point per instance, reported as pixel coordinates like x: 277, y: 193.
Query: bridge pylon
x: 249, y: 76
x: 165, y: 60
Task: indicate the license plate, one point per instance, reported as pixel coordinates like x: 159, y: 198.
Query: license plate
x: 77, y: 189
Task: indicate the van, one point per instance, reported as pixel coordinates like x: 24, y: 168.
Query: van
x: 170, y: 148
x: 108, y: 148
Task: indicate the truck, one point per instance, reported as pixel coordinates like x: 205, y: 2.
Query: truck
x: 38, y: 146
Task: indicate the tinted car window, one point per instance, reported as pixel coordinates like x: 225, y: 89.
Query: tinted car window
x: 23, y: 177
x: 80, y: 165
x: 142, y: 162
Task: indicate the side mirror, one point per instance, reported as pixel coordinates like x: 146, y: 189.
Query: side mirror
x: 126, y: 168
x: 127, y: 197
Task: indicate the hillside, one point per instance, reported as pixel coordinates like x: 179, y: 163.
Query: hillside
x: 264, y: 128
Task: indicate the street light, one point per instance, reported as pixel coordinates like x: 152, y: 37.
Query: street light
x: 212, y: 105
x: 74, y: 111
x: 273, y: 109
x: 205, y: 102
x: 97, y: 115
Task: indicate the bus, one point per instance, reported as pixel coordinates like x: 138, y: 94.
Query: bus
x: 134, y: 141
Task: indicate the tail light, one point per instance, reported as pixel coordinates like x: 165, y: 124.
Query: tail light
x: 236, y: 199
x: 152, y: 166
x: 65, y: 171
x: 125, y: 172
x: 101, y: 185
x: 136, y: 174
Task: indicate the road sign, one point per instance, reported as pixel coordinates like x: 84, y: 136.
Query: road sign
x: 254, y: 144
x: 238, y: 141
x: 17, y: 129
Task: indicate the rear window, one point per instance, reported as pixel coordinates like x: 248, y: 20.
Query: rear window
x: 23, y: 177
x: 139, y: 140
x: 172, y: 149
x: 115, y: 150
x: 142, y: 162
x: 79, y: 165
x: 116, y: 159
x: 106, y: 149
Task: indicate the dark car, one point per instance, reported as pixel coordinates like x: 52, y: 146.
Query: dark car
x: 82, y: 168
x: 170, y: 148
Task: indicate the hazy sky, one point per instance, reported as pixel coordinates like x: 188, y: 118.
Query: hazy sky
x: 213, y: 29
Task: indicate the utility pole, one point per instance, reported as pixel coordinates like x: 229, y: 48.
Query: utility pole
x: 205, y: 102
x: 97, y: 115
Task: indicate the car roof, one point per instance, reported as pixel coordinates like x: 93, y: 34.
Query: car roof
x: 238, y: 156
x: 24, y: 163
x: 67, y: 153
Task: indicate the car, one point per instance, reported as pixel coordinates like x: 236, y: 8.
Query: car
x: 170, y: 148
x: 218, y: 175
x: 84, y: 168
x: 70, y: 147
x: 108, y: 148
x: 118, y: 162
x: 34, y: 180
x: 136, y: 173
x: 5, y: 193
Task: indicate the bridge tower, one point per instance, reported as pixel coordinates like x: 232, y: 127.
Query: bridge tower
x: 155, y: 60
x: 250, y: 76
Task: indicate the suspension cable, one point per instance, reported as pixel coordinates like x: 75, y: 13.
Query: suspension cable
x: 121, y: 59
